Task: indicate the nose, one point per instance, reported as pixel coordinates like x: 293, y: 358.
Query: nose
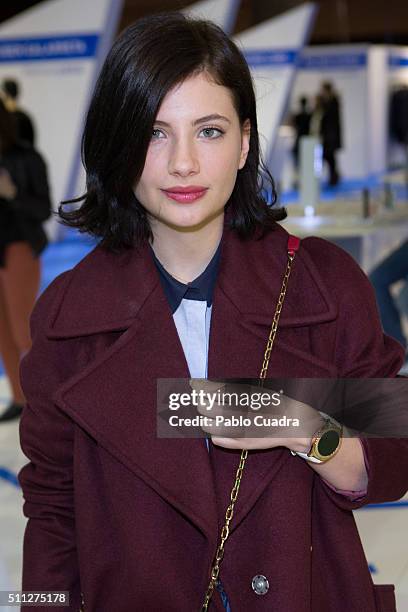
x: 183, y: 159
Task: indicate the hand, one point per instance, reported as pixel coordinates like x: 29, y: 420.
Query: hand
x: 274, y: 420
x: 8, y: 189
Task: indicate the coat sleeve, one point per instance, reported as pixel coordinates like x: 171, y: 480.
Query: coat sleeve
x: 362, y: 350
x: 46, y: 436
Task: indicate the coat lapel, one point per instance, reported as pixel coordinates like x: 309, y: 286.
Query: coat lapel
x: 114, y: 397
x: 115, y: 401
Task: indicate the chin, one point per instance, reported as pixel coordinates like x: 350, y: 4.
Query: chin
x: 196, y: 221
x: 193, y: 223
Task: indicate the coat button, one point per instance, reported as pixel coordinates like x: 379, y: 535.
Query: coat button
x: 260, y: 584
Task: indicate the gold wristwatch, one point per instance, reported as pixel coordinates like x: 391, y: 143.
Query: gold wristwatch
x: 325, y: 442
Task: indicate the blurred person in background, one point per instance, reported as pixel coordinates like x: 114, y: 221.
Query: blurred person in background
x: 301, y: 123
x: 24, y: 205
x: 315, y: 124
x: 330, y: 130
x: 392, y: 269
x: 25, y: 127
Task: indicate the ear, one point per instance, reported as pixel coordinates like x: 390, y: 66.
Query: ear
x: 245, y: 137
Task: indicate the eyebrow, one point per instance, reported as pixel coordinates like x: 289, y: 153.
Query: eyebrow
x: 212, y: 117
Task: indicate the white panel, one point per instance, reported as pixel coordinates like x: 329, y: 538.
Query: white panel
x: 222, y: 12
x: 58, y: 16
x: 378, y: 105
x: 284, y: 31
x: 271, y: 49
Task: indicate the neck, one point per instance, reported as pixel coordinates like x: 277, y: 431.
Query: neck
x: 186, y: 254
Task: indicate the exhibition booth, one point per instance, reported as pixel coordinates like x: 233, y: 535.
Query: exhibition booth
x: 366, y: 78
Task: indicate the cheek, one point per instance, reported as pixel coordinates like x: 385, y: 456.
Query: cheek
x: 152, y: 168
x: 143, y: 188
x: 147, y: 181
x: 223, y: 162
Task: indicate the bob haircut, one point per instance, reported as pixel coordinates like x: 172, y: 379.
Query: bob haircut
x: 147, y: 60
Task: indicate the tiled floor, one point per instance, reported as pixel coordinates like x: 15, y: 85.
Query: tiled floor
x: 384, y: 533
x: 384, y: 530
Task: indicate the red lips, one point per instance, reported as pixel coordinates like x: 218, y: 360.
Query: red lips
x: 188, y: 189
x: 185, y: 195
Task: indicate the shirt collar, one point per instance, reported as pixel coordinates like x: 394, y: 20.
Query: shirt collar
x: 200, y: 289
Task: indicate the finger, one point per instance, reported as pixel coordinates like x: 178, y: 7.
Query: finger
x: 237, y: 443
x: 221, y: 430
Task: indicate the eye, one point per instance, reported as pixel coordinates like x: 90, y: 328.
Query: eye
x: 210, y: 131
x: 154, y: 131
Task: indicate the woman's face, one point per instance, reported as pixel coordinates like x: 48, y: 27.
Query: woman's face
x: 188, y: 148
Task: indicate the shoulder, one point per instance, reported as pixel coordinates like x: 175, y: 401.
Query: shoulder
x: 23, y: 150
x: 22, y: 114
x: 337, y: 267
x: 103, y: 292
x: 47, y: 306
x: 323, y: 269
x: 46, y: 301
x: 343, y: 278
x: 331, y: 264
x: 362, y: 348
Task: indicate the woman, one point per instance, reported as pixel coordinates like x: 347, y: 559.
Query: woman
x: 185, y: 282
x: 24, y: 205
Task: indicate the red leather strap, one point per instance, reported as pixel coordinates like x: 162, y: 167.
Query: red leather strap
x: 293, y: 244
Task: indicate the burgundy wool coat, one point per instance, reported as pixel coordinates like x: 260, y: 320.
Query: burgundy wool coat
x: 131, y: 521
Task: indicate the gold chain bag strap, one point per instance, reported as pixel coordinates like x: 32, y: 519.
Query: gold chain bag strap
x: 293, y: 246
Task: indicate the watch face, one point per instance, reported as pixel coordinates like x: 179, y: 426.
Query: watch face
x: 328, y: 443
